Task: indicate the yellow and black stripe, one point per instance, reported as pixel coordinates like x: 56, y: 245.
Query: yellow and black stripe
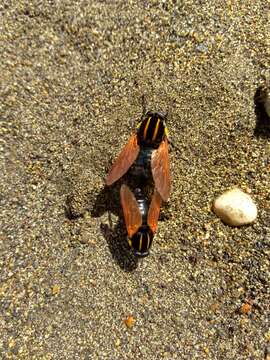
x: 141, y: 242
x: 152, y: 129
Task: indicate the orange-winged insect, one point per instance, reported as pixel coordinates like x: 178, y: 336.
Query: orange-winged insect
x: 141, y: 220
x: 147, y: 151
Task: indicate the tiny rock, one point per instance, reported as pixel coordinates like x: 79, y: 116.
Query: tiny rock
x: 206, y: 350
x: 117, y: 342
x: 235, y: 208
x: 55, y: 289
x: 129, y: 321
x: 11, y: 343
x: 245, y: 308
x: 215, y: 307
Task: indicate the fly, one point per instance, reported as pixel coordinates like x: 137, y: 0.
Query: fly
x: 141, y: 220
x: 147, y: 151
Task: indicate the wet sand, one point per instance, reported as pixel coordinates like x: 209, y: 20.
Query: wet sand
x: 72, y: 78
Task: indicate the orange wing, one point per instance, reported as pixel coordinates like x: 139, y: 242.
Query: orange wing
x: 124, y: 160
x: 132, y: 215
x: 153, y: 212
x: 160, y: 165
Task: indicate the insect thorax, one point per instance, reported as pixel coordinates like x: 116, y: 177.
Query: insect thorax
x: 141, y: 169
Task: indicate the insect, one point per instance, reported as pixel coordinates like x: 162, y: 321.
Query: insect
x: 147, y: 151
x: 141, y: 220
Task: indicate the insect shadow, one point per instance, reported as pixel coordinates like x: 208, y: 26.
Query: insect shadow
x: 116, y: 238
x: 108, y: 200
x: 262, y: 128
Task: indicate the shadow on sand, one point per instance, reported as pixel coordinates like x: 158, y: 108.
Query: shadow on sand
x: 262, y: 129
x: 108, y: 200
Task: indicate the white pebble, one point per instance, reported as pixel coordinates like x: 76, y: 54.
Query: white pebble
x: 235, y: 208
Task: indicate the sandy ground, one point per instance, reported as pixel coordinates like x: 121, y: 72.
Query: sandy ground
x: 72, y: 77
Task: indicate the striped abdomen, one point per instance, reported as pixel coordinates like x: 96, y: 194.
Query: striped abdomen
x: 141, y: 241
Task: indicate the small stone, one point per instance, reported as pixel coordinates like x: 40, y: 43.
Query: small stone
x: 117, y: 342
x: 129, y: 321
x: 202, y: 48
x: 245, y: 308
x: 235, y: 208
x: 11, y: 343
x: 215, y: 307
x: 55, y: 289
